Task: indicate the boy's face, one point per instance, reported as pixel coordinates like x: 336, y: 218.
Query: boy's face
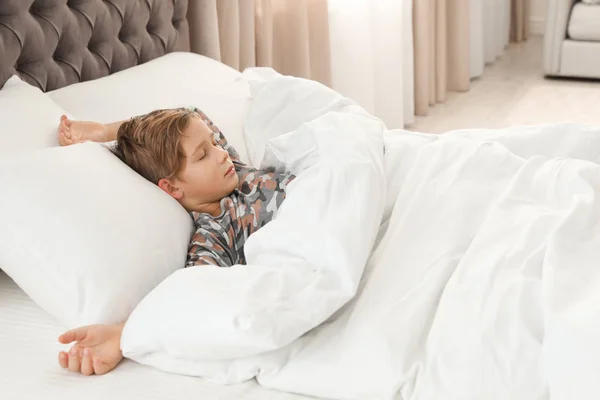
x: 208, y: 174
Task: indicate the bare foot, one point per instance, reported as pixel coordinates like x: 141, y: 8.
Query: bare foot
x: 72, y: 132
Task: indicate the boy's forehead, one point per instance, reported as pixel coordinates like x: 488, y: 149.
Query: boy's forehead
x: 197, y: 128
x: 195, y: 134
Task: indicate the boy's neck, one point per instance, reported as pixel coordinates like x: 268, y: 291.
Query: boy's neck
x: 213, y: 209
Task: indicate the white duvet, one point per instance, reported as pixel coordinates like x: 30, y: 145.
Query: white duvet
x: 484, y: 283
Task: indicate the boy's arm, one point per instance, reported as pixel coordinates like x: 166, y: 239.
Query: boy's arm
x: 112, y: 129
x: 72, y: 131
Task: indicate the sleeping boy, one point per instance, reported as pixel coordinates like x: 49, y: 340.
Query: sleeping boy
x: 187, y: 156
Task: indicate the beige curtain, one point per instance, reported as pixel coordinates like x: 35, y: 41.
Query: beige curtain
x: 223, y: 30
x: 290, y: 36
x: 519, y: 20
x: 441, y: 31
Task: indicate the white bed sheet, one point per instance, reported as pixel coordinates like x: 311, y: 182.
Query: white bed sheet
x: 29, y: 368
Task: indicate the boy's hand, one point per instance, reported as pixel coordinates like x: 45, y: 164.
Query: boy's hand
x: 73, y: 132
x: 97, y: 349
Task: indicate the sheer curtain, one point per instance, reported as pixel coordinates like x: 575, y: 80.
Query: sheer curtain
x: 442, y: 50
x: 477, y: 39
x: 493, y: 24
x: 293, y: 38
x: 290, y: 36
x: 496, y: 27
x: 223, y: 30
x: 372, y: 56
x: 394, y: 57
x: 520, y: 16
x: 362, y: 48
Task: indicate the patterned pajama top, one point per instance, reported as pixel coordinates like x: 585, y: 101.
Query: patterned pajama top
x: 220, y: 240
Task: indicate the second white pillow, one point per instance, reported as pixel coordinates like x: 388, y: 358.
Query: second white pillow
x: 28, y: 118
x: 84, y: 235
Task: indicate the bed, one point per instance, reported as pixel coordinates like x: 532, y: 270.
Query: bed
x: 470, y: 270
x: 55, y: 44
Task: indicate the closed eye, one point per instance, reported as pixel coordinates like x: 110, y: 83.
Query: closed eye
x: 204, y: 152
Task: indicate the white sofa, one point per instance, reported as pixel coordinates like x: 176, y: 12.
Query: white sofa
x: 572, y: 39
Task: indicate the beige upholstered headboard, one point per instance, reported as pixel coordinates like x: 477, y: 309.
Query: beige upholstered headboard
x: 54, y: 43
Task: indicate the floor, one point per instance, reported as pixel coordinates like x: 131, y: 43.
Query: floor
x: 513, y: 91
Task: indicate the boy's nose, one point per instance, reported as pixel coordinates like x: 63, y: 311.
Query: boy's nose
x: 224, y: 155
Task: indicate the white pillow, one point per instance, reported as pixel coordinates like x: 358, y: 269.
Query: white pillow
x: 84, y: 235
x: 174, y: 80
x: 28, y: 118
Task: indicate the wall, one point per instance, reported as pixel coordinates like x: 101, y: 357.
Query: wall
x: 538, y: 16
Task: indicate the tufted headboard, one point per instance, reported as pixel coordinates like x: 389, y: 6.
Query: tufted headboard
x: 54, y: 43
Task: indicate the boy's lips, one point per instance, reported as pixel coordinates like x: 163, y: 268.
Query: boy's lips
x: 230, y: 171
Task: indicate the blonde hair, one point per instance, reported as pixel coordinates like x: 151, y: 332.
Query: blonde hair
x: 151, y: 144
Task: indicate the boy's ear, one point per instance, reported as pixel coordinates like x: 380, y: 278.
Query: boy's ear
x: 170, y: 189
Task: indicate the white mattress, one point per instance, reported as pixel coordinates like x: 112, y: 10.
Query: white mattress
x: 584, y: 23
x: 29, y: 368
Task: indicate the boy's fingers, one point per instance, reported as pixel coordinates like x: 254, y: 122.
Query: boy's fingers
x: 87, y: 367
x: 66, y: 337
x: 74, y: 363
x: 100, y: 368
x: 63, y: 359
x: 65, y: 131
x: 64, y: 136
x: 73, y: 335
x: 66, y: 139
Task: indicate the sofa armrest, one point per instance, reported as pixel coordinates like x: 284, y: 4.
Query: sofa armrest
x: 557, y: 19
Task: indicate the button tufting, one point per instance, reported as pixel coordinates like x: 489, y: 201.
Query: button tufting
x: 121, y: 35
x: 53, y: 36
